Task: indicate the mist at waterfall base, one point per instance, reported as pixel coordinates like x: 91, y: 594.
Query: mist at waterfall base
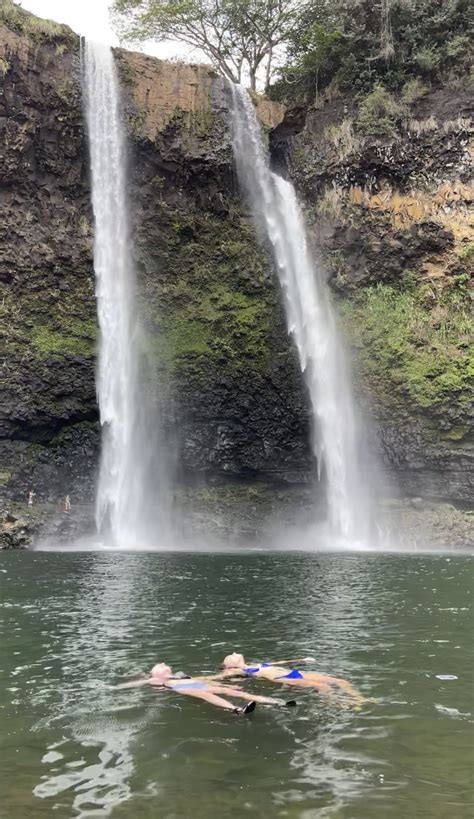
x: 131, y: 500
x: 340, y: 443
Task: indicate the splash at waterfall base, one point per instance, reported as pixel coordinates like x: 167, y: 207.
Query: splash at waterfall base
x: 242, y: 516
x: 235, y: 404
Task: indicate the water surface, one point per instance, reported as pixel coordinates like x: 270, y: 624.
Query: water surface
x: 392, y: 624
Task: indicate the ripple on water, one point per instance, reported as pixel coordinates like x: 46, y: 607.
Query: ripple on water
x: 78, y: 621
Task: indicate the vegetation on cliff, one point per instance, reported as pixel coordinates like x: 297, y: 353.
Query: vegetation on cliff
x: 383, y: 164
x: 416, y: 336
x: 352, y: 46
x: 21, y: 21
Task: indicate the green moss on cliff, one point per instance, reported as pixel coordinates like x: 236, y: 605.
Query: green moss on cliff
x: 54, y: 322
x: 415, y: 342
x: 207, y: 303
x: 75, y: 337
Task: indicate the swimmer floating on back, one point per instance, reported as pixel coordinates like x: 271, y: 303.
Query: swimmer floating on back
x: 203, y: 689
x: 234, y: 665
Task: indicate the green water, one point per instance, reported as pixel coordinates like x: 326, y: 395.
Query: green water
x: 389, y: 623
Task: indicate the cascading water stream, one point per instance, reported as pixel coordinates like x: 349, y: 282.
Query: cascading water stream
x: 122, y: 486
x: 312, y: 324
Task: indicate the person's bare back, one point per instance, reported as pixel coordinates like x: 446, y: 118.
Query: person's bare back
x: 235, y: 665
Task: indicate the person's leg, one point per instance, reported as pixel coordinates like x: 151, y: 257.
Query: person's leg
x: 208, y: 696
x: 337, y: 687
x: 243, y: 695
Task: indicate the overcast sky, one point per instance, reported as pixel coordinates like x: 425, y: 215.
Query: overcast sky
x: 90, y: 17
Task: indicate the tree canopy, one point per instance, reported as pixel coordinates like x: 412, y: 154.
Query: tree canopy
x: 240, y: 37
x: 355, y: 44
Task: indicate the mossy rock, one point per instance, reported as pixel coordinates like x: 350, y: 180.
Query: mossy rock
x: 415, y: 347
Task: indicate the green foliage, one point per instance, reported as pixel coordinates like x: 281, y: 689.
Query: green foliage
x: 236, y: 35
x: 415, y: 341
x: 413, y: 90
x: 315, y: 58
x: 427, y: 39
x: 22, y: 21
x: 466, y: 252
x: 379, y: 113
x: 4, y: 67
x: 427, y: 59
x: 458, y: 47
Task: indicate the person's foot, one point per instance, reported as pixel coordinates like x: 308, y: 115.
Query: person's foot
x: 247, y: 709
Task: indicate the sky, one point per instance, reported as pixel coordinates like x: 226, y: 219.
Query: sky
x: 90, y: 17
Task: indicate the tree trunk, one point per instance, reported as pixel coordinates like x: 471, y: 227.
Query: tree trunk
x: 227, y: 71
x: 268, y: 73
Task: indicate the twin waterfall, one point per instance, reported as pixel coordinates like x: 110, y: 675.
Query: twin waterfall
x: 122, y: 487
x: 311, y: 322
x: 126, y: 471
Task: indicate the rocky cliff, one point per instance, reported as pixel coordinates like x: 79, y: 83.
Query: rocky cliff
x: 388, y: 188
x: 389, y: 215
x: 226, y: 377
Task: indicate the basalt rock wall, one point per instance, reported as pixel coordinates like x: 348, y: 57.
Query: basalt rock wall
x: 225, y: 379
x: 389, y: 204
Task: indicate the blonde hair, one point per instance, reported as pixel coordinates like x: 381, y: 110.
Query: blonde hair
x: 233, y: 661
x: 160, y: 670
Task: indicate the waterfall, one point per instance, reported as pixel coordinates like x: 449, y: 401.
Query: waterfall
x: 338, y: 437
x: 121, y: 499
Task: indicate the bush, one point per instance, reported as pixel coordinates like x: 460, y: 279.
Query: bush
x: 379, y: 113
x: 427, y: 59
x: 414, y: 90
x: 458, y: 47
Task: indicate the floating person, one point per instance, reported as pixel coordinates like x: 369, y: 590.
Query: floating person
x: 234, y: 665
x: 31, y: 497
x: 203, y: 689
x: 67, y: 504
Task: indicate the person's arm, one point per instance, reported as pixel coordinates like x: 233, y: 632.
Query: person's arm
x: 132, y: 683
x: 224, y: 675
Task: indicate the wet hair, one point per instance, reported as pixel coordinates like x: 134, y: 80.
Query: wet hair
x: 159, y: 669
x: 233, y: 661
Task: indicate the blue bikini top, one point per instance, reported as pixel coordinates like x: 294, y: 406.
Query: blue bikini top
x: 294, y: 674
x: 256, y: 668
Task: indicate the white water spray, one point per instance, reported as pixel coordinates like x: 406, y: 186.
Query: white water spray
x: 122, y: 481
x: 311, y: 322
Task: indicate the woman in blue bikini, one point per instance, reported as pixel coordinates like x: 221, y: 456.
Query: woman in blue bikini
x: 202, y: 689
x: 234, y: 665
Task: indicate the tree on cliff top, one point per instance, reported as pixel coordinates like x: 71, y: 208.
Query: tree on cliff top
x: 354, y: 45
x: 238, y: 36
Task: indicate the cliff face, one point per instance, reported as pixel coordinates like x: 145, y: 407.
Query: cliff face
x: 225, y: 379
x: 389, y: 215
x: 389, y: 204
x: 48, y: 414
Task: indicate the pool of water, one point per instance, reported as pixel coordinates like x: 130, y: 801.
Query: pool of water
x: 397, y: 626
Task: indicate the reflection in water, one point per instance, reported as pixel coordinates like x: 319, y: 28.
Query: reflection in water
x: 95, y: 641
x: 396, y: 626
